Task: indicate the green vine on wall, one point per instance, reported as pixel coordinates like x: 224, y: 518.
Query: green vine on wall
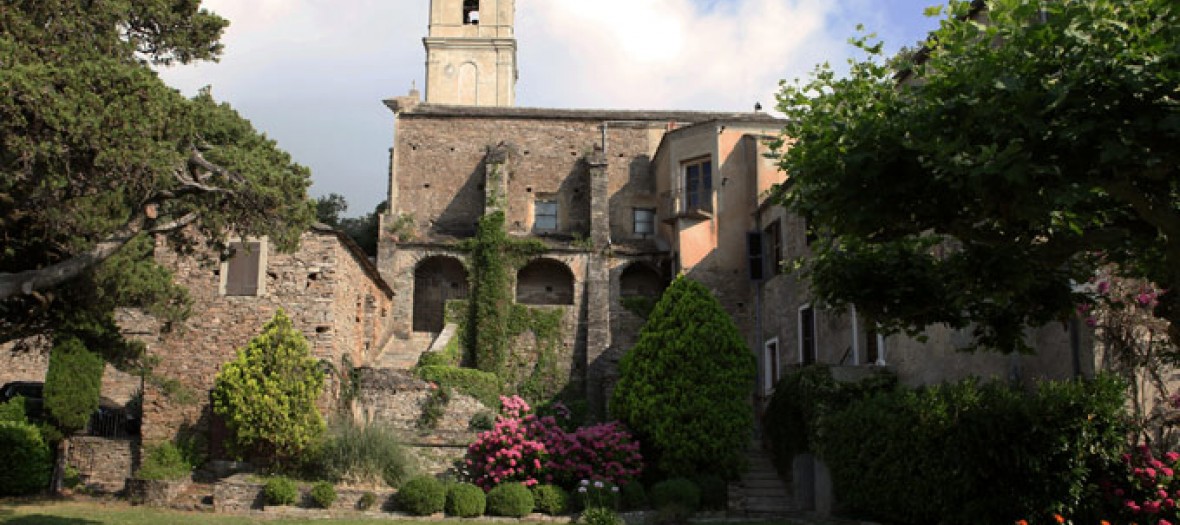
x: 491, y: 321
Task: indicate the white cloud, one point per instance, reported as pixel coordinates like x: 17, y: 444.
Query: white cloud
x: 312, y: 73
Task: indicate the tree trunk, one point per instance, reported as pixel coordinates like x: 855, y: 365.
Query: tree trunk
x: 59, y: 468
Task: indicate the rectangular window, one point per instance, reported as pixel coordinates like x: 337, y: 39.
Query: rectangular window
x: 773, y: 240
x: 807, y: 347
x: 243, y: 271
x: 754, y: 255
x: 545, y: 215
x: 698, y: 185
x: 645, y: 221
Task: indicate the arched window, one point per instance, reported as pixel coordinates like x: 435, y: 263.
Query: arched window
x: 437, y: 280
x: 545, y: 281
x: 471, y: 12
x: 640, y: 279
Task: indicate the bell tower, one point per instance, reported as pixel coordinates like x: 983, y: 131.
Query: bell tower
x: 471, y: 53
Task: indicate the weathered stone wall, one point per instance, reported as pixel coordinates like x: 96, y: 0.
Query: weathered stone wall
x: 318, y: 286
x: 439, y: 175
x: 104, y: 464
x: 242, y: 492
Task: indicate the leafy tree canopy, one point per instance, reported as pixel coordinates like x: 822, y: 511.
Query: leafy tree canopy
x: 96, y: 152
x: 978, y: 186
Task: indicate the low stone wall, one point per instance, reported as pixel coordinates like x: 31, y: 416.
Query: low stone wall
x: 243, y: 492
x: 155, y: 492
x: 104, y: 464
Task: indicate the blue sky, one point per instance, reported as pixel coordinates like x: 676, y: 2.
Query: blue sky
x: 311, y: 74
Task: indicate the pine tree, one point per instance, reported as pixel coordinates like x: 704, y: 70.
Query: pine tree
x: 685, y: 387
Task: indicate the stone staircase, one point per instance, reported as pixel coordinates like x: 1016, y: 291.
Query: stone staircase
x: 761, y: 493
x: 402, y: 354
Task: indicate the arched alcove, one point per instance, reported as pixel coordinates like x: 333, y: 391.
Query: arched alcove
x: 640, y: 279
x: 437, y: 279
x: 545, y: 281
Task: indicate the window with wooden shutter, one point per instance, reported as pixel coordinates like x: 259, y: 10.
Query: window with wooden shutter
x: 241, y: 273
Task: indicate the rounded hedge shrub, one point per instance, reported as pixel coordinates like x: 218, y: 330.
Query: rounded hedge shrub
x: 367, y: 500
x: 280, y: 490
x: 422, y: 496
x: 676, y: 491
x: 714, y: 492
x: 25, y: 458
x: 323, y: 494
x: 551, y: 500
x: 633, y: 496
x: 510, y: 499
x: 465, y: 500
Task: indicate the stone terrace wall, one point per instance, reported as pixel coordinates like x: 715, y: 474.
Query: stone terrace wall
x: 104, y: 463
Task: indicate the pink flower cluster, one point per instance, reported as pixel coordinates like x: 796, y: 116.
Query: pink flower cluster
x: 1150, y: 488
x: 513, y: 450
x: 522, y: 447
x: 604, y: 452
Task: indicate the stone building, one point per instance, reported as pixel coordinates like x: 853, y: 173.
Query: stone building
x: 328, y: 287
x: 624, y: 200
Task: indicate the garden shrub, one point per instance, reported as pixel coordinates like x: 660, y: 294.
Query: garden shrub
x: 714, y: 492
x: 513, y: 500
x: 362, y: 454
x: 465, y: 500
x: 422, y: 496
x: 25, y: 457
x: 482, y: 421
x: 804, y: 396
x: 435, y: 359
x: 633, y: 496
x: 600, y: 516
x: 551, y: 500
x: 483, y: 386
x: 1144, y: 485
x: 605, y: 452
x: 164, y: 462
x: 676, y: 491
x: 684, y: 387
x: 368, y: 499
x: 280, y: 490
x: 511, y: 451
x: 268, y: 393
x: 14, y: 410
x: 323, y: 494
x: 970, y: 453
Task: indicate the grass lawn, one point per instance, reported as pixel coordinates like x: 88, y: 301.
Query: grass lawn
x: 50, y: 512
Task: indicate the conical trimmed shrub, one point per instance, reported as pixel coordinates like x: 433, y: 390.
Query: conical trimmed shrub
x: 686, y: 386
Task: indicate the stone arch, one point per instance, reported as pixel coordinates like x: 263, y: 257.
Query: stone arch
x: 545, y: 281
x: 437, y: 279
x: 468, y: 91
x: 641, y: 279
